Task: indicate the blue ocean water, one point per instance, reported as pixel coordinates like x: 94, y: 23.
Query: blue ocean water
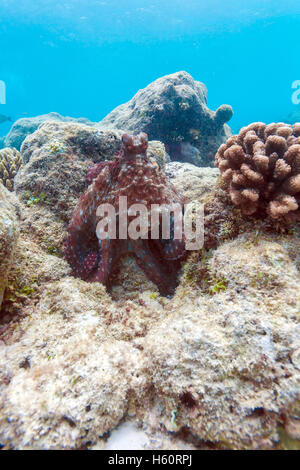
x: 85, y: 57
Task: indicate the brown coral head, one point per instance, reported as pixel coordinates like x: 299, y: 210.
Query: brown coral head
x: 134, y: 144
x: 261, y: 168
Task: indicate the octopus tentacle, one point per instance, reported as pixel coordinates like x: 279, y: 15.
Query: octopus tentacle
x: 155, y: 270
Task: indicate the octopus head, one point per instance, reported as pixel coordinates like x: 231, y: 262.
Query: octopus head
x: 133, y: 145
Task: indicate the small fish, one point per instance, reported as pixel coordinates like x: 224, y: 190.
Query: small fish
x: 4, y: 118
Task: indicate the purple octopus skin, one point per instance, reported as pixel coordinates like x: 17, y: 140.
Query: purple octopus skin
x: 134, y: 175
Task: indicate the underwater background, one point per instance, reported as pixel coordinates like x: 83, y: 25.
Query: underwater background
x: 85, y: 57
x: 146, y: 338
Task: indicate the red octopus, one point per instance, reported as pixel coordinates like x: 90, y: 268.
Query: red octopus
x: 138, y: 177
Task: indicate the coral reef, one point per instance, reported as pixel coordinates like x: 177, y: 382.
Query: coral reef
x: 220, y: 370
x: 10, y: 163
x: 261, y: 167
x: 58, y: 153
x: 173, y: 109
x: 32, y: 267
x: 134, y: 175
x: 26, y: 126
x: 217, y: 366
x: 86, y: 142
x: 9, y: 231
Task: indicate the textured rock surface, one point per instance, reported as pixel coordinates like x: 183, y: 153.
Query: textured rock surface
x: 74, y: 382
x: 173, y: 109
x: 227, y: 366
x: 220, y: 369
x: 8, y: 235
x: 26, y: 126
x: 58, y: 156
x: 82, y: 140
x: 191, y: 181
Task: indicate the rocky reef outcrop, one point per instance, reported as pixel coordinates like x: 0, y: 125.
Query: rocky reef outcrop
x: 226, y: 365
x: 218, y: 367
x: 103, y: 375
x: 173, y: 109
x: 9, y: 231
x: 27, y: 125
x: 261, y: 167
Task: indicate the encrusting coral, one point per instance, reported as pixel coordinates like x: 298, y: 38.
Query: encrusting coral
x: 134, y: 175
x: 11, y: 162
x: 261, y: 168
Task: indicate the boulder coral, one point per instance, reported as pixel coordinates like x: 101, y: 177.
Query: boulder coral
x: 173, y: 109
x: 261, y: 169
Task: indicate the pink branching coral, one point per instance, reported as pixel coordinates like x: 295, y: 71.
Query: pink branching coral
x: 261, y: 167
